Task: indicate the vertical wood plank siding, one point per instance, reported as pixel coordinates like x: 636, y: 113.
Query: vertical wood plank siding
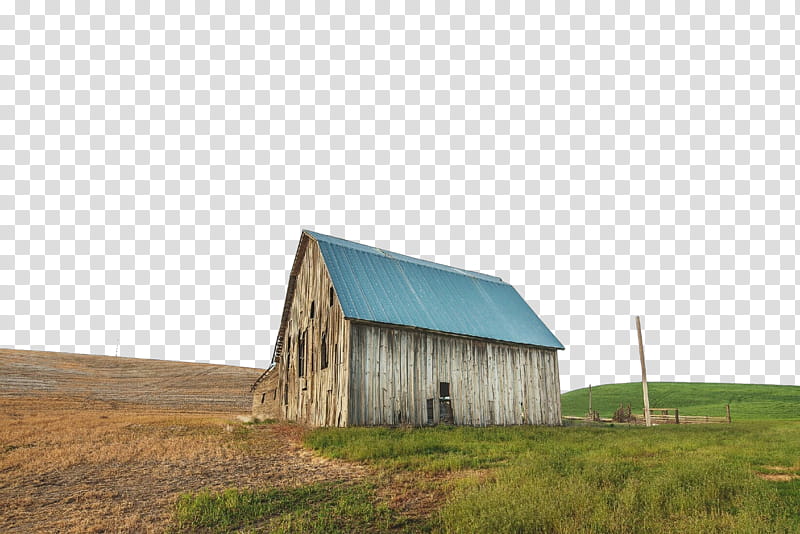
x: 395, y: 370
x: 319, y: 397
x: 268, y: 390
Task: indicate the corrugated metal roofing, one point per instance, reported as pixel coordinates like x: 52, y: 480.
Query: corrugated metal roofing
x: 383, y: 287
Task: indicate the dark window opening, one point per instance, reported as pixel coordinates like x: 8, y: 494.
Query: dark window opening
x: 444, y: 390
x: 429, y: 406
x: 324, y: 363
x: 301, y: 357
x: 330, y: 296
x: 286, y: 394
x: 263, y: 397
x: 311, y: 312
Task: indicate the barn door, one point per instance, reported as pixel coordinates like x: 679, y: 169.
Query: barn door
x: 445, y: 407
x: 445, y: 412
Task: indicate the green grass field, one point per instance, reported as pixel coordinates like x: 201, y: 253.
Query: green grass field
x: 749, y: 402
x: 621, y: 479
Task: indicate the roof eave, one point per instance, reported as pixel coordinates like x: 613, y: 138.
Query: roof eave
x: 455, y: 334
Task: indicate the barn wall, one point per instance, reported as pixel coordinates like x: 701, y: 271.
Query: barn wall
x: 265, y: 397
x: 395, y: 371
x: 319, y: 397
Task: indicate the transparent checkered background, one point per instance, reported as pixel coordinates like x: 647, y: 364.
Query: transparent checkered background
x: 607, y: 159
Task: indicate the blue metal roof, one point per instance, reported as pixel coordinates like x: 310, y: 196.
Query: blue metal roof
x: 383, y: 287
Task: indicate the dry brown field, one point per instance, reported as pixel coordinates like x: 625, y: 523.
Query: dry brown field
x: 105, y: 444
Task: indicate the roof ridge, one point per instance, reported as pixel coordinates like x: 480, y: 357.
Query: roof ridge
x: 404, y: 257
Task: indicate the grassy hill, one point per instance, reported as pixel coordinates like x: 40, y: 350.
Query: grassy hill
x: 748, y: 401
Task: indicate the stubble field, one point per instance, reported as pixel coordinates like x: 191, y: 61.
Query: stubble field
x: 103, y: 444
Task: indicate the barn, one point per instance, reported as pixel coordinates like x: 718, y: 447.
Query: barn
x: 370, y: 337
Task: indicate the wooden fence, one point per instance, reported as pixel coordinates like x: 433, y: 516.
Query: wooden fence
x: 665, y: 416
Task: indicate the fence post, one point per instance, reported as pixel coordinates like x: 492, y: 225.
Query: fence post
x: 590, y: 398
x: 645, y: 394
x: 677, y: 417
x: 728, y: 410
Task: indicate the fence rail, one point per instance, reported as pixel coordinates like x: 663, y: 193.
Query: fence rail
x: 666, y: 416
x: 690, y: 419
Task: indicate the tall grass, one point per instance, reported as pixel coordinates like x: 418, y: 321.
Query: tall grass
x: 318, y: 508
x: 701, y: 478
x: 599, y: 494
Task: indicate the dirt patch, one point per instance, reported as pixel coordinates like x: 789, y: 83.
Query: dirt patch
x: 418, y: 495
x: 73, y: 466
x: 778, y: 477
x: 779, y: 473
x: 778, y: 468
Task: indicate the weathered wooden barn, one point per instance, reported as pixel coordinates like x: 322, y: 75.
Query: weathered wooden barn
x: 370, y: 337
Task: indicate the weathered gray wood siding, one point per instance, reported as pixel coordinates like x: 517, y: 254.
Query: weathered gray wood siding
x: 319, y: 397
x: 265, y: 397
x: 395, y: 370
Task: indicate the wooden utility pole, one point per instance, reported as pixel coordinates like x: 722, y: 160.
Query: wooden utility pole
x: 644, y: 375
